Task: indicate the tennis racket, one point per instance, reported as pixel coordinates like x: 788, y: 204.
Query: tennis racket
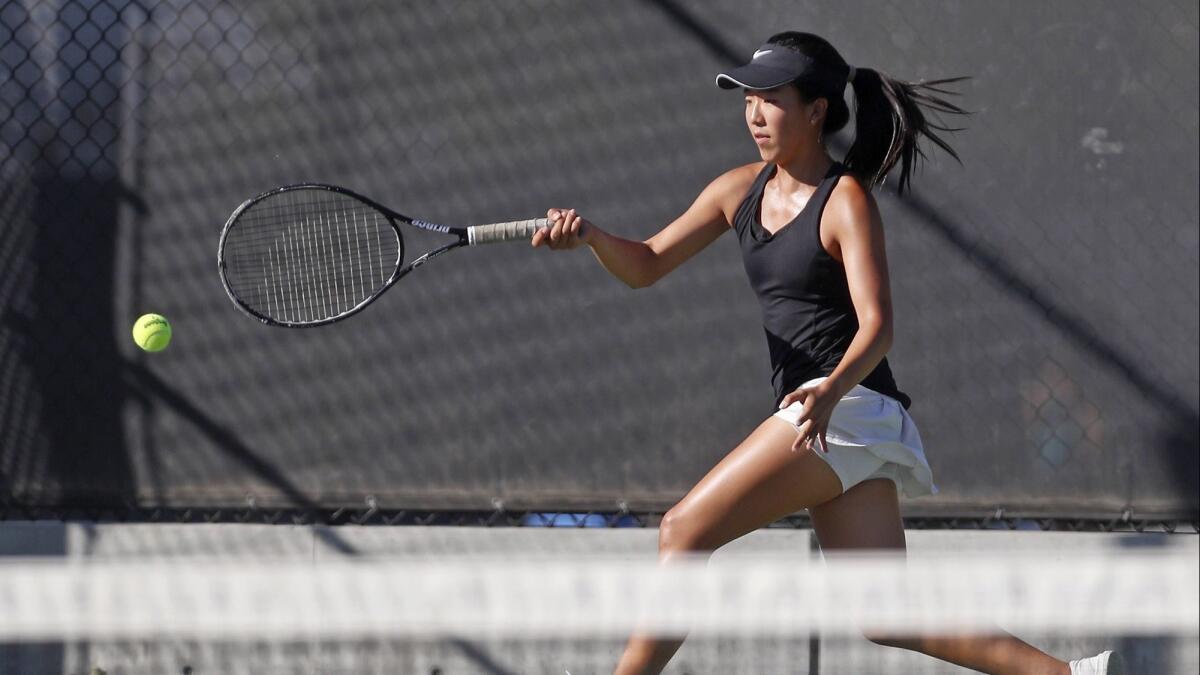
x: 312, y: 254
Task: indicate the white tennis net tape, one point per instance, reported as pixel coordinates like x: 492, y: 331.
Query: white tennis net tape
x: 1128, y: 593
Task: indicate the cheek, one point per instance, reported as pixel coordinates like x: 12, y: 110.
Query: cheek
x: 780, y: 124
x: 789, y: 126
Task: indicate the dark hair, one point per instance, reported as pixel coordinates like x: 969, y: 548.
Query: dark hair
x: 889, y: 119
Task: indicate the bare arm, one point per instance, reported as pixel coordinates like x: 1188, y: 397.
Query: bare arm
x: 858, y: 230
x: 633, y: 262
x: 641, y: 263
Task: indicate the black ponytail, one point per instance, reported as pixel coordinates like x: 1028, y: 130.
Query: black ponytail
x: 889, y: 122
x: 889, y: 119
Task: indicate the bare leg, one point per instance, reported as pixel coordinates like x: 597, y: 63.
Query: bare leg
x: 867, y: 516
x: 757, y: 483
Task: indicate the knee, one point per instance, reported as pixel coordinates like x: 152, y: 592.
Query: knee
x: 680, y: 531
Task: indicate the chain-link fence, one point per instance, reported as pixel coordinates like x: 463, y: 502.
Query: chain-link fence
x: 500, y: 518
x: 1045, y: 291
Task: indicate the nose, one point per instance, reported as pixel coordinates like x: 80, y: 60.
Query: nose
x: 754, y: 114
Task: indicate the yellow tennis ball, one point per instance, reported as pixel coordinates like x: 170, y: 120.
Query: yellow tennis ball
x: 152, y: 332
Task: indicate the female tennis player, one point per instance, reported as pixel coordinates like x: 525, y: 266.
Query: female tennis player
x: 841, y: 443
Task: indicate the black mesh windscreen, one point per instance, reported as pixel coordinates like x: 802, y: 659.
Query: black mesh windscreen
x: 1045, y: 291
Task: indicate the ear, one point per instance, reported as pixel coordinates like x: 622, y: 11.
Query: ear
x: 819, y: 108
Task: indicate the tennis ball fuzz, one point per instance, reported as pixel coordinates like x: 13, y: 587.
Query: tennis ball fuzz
x: 152, y: 332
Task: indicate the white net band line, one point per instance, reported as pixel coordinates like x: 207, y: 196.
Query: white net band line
x: 1131, y: 594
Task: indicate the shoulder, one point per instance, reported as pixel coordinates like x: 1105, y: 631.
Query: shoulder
x: 729, y: 189
x: 851, y: 207
x: 738, y: 179
x: 849, y: 195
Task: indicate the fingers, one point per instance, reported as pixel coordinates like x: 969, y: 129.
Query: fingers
x: 807, y: 440
x: 801, y: 441
x: 575, y: 229
x: 815, y: 440
x: 803, y: 423
x: 563, y: 232
x: 810, y: 432
x: 542, y: 235
x: 803, y: 431
x: 792, y: 397
x: 558, y: 232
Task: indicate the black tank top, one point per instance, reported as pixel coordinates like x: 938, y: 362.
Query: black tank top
x: 807, y: 311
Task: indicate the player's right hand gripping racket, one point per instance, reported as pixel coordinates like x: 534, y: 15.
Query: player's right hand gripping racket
x: 309, y: 255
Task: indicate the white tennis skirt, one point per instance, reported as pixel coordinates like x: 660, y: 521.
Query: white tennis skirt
x: 871, y: 435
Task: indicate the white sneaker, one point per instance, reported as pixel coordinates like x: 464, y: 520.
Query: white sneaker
x: 1104, y: 663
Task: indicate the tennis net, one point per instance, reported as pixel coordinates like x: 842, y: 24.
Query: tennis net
x: 570, y: 614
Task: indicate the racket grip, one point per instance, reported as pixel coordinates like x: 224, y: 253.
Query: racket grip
x: 498, y: 232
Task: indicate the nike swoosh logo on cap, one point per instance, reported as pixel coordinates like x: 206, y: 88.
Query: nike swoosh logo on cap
x: 761, y: 52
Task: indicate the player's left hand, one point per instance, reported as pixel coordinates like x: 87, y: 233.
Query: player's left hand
x: 819, y: 401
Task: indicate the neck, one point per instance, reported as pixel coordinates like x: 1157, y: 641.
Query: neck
x: 807, y: 167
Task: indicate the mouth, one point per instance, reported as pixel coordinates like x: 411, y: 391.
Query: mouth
x: 761, y: 138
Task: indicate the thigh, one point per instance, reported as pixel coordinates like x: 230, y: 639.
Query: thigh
x: 757, y: 483
x: 867, y: 516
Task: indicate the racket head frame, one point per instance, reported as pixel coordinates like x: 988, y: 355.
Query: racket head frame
x: 393, y: 218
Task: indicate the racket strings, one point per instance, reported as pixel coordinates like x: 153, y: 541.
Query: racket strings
x: 307, y: 255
